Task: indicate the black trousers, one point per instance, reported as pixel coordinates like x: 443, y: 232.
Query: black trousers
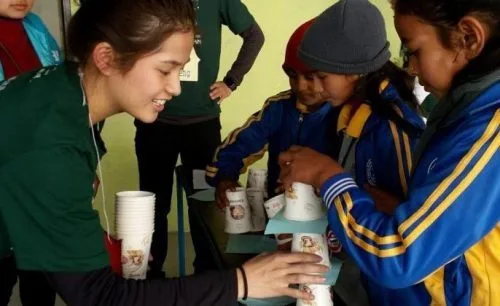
x: 34, y: 289
x: 158, y: 146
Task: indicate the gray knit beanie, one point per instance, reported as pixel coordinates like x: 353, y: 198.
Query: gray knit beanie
x: 348, y: 38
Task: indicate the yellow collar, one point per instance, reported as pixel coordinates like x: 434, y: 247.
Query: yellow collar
x: 353, y: 124
x: 301, y: 107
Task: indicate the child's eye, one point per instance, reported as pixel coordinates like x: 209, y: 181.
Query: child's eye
x: 321, y: 76
x: 406, y: 54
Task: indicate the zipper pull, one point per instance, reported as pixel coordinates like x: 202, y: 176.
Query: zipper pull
x: 301, y: 118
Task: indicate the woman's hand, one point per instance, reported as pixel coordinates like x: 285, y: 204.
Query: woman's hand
x: 304, y: 165
x: 269, y: 275
x: 220, y: 192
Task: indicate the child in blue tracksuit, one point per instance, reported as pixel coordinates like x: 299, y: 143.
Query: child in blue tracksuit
x: 25, y: 45
x: 299, y: 116
x: 440, y: 247
x: 378, y: 121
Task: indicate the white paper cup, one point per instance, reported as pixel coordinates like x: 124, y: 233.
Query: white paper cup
x: 312, y: 243
x: 122, y: 232
x: 257, y: 178
x: 135, y: 255
x: 139, y: 204
x: 255, y: 199
x: 274, y: 205
x: 238, y: 213
x: 135, y: 195
x: 322, y: 295
x: 302, y: 204
x: 142, y: 227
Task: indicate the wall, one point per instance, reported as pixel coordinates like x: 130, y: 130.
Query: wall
x: 278, y: 19
x: 50, y: 12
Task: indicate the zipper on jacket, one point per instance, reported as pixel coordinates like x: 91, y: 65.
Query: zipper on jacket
x: 301, y: 119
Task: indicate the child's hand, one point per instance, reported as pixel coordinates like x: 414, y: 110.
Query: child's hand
x: 220, y: 192
x: 304, y: 165
x: 384, y: 201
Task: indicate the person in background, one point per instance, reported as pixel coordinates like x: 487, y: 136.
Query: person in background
x: 25, y: 42
x: 49, y: 153
x: 440, y: 246
x: 299, y: 116
x: 25, y: 45
x: 190, y: 126
x: 379, y: 120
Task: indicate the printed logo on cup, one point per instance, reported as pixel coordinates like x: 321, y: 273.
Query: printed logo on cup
x: 322, y: 295
x: 311, y: 243
x: 334, y: 245
x: 238, y: 217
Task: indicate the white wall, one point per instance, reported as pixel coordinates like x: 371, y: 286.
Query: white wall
x: 50, y: 12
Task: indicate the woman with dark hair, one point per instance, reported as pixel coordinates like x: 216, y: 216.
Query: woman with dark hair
x: 129, y: 54
x: 440, y: 247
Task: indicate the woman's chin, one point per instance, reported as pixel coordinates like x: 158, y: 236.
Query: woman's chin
x: 149, y: 117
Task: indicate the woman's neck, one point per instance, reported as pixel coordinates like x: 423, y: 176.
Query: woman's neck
x: 100, y: 103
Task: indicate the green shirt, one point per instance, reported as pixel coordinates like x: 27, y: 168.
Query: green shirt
x: 205, y: 59
x: 47, y: 166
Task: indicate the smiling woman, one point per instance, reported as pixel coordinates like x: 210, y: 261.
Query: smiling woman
x: 128, y: 54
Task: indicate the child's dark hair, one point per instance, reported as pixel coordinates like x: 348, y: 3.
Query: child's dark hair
x: 132, y: 27
x: 445, y: 16
x: 369, y: 89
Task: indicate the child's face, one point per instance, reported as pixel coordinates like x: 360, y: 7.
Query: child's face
x: 435, y: 64
x: 15, y: 9
x: 304, y: 87
x: 337, y: 88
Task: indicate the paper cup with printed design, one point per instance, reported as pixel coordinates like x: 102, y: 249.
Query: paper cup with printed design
x: 257, y: 178
x: 302, y: 203
x: 322, y: 295
x: 255, y: 199
x: 238, y: 213
x: 135, y: 255
x: 312, y: 243
x: 274, y: 205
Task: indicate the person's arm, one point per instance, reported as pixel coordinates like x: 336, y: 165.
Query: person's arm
x: 253, y: 40
x: 104, y: 287
x: 239, y: 20
x: 266, y: 275
x: 246, y: 144
x: 447, y: 214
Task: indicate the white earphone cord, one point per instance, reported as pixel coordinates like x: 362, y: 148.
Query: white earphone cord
x: 101, y: 178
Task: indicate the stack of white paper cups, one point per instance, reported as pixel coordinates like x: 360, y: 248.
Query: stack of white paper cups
x: 257, y: 178
x: 135, y: 212
x: 255, y: 199
x: 302, y: 203
x: 315, y: 244
x: 238, y: 213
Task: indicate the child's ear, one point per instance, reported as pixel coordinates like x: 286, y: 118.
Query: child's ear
x: 473, y: 36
